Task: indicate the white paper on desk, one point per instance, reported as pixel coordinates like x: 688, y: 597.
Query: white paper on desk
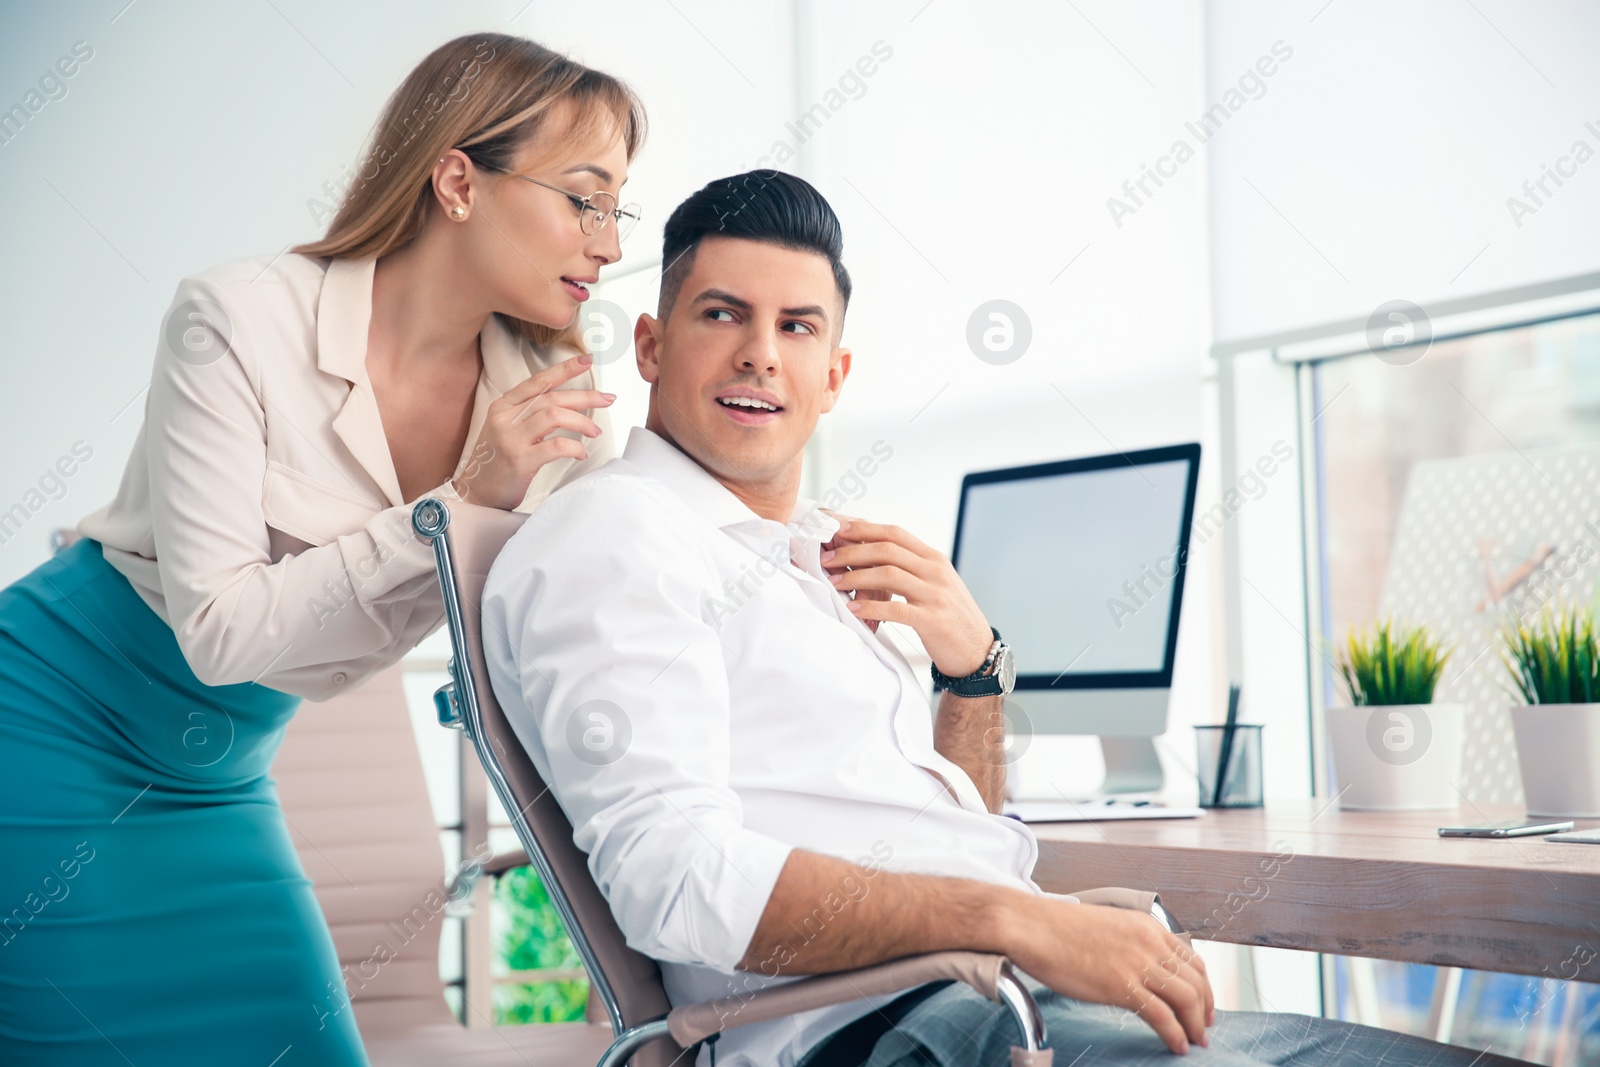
x: 1067, y: 811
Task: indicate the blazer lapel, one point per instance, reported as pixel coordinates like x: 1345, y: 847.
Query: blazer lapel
x: 503, y: 367
x: 344, y: 314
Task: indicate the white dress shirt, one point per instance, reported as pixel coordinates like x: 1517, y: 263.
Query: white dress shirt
x: 701, y: 701
x: 260, y: 515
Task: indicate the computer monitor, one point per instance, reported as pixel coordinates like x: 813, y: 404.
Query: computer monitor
x: 1080, y: 565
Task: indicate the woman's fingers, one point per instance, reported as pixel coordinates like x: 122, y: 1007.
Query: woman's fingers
x: 578, y: 399
x: 548, y: 420
x: 548, y: 379
x: 556, y: 448
x: 521, y: 433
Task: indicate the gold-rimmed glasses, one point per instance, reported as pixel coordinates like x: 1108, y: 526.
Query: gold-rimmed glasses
x: 594, y: 210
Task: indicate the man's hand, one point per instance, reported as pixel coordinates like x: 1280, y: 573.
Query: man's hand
x: 1116, y: 956
x: 1089, y: 952
x: 876, y: 562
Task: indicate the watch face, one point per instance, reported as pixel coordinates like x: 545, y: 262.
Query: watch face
x: 1008, y: 670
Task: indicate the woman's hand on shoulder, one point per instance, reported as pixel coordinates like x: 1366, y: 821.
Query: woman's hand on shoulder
x: 519, y: 434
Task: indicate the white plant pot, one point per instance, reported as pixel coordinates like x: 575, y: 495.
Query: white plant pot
x: 1558, y: 749
x: 1397, y: 757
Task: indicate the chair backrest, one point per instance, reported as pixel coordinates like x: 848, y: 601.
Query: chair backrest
x: 352, y: 788
x: 466, y: 539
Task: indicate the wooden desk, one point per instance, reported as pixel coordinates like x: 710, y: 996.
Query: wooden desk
x: 1305, y: 875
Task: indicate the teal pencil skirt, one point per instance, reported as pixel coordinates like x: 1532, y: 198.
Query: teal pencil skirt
x: 152, y: 908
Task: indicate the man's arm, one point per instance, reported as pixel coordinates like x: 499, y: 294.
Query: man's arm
x: 1098, y: 954
x: 970, y: 732
x: 620, y: 688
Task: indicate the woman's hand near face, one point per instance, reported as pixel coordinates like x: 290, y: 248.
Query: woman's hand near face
x: 518, y: 435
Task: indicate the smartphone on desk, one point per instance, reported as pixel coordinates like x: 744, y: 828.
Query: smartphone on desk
x: 1527, y: 829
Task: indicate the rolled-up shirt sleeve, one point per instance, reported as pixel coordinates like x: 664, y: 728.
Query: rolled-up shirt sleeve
x: 612, y: 676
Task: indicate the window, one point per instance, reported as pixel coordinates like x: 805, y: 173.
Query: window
x: 1520, y: 390
x: 1525, y: 389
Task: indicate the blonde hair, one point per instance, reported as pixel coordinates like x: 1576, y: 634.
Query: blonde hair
x: 487, y: 94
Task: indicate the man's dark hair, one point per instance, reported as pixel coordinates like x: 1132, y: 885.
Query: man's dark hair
x: 759, y: 205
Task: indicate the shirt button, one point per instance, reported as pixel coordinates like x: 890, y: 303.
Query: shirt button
x: 339, y: 678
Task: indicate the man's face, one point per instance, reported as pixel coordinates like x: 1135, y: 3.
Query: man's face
x: 745, y: 362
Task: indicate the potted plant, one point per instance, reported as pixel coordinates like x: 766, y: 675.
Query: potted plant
x: 1555, y: 664
x: 1393, y: 748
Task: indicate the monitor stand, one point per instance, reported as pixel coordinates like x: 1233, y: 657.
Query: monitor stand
x: 1132, y: 765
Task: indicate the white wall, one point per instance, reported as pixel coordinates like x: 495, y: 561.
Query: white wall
x: 197, y: 133
x: 1379, y: 161
x: 976, y: 167
x: 194, y: 135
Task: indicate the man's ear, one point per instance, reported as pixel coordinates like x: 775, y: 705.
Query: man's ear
x: 647, y: 347
x: 838, y: 371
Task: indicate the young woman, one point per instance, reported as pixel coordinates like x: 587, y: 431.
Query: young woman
x: 259, y: 552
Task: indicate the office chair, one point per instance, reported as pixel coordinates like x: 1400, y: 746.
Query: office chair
x: 351, y: 786
x: 648, y: 1031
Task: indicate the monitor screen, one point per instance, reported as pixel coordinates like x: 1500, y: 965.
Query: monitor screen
x: 1080, y: 564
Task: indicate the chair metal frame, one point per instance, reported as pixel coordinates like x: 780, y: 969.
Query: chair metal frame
x: 458, y: 707
x: 456, y: 704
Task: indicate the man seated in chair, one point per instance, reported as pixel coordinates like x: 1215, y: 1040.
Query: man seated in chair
x: 693, y: 655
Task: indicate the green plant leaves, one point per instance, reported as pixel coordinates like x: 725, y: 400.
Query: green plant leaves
x: 1556, y: 658
x: 1386, y: 664
x: 534, y: 939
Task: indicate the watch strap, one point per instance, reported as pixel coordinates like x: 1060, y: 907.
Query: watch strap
x: 942, y: 681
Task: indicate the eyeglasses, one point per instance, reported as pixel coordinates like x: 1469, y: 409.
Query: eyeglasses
x: 595, y: 209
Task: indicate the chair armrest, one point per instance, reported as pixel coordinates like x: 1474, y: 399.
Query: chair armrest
x: 1134, y: 900
x: 696, y: 1022
x: 501, y: 862
x: 987, y: 973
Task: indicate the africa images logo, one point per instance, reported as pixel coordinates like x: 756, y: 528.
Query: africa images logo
x: 599, y: 732
x: 1399, y: 736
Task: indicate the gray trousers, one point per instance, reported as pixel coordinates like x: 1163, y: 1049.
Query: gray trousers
x: 957, y: 1027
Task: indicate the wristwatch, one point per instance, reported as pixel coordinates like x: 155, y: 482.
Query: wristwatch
x: 1168, y: 921
x: 997, y: 676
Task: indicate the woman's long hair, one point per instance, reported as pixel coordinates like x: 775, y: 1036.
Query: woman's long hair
x: 487, y: 94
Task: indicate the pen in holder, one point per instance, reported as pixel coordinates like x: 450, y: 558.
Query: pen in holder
x: 1229, y: 761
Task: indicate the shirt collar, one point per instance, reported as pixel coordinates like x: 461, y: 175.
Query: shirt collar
x: 714, y: 502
